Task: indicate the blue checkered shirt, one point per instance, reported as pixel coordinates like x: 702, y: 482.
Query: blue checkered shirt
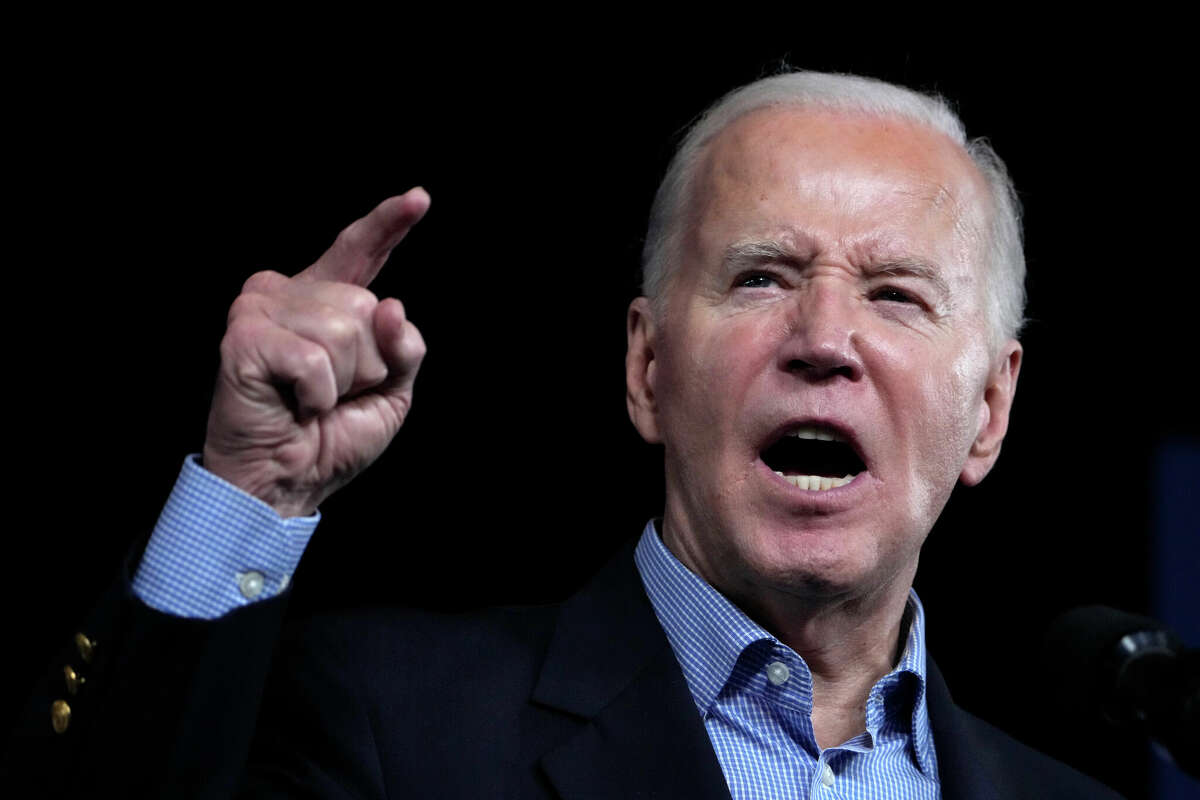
x: 755, y: 696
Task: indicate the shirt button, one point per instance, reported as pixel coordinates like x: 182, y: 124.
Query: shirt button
x: 250, y: 584
x: 827, y: 777
x: 778, y: 673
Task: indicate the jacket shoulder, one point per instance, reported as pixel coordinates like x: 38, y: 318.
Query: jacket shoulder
x: 977, y: 759
x: 1055, y: 778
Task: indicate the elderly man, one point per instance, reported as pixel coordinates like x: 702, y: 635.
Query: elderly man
x: 826, y: 346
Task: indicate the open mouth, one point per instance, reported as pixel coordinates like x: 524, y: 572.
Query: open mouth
x: 813, y: 458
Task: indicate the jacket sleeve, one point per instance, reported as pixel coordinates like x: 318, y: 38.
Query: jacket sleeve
x: 162, y: 706
x: 316, y: 736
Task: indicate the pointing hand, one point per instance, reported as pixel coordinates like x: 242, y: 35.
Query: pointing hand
x: 316, y: 373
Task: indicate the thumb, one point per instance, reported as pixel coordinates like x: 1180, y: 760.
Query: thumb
x: 400, y: 344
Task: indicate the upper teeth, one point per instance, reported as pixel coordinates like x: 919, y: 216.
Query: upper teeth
x: 815, y: 483
x: 810, y: 432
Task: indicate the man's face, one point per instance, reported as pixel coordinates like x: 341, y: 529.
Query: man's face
x: 829, y: 285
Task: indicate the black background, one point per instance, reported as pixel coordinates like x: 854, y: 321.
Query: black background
x: 151, y: 179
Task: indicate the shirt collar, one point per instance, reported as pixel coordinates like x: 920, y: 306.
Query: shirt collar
x: 708, y: 634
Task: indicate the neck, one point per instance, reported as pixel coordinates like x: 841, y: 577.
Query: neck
x: 848, y: 647
x: 849, y: 640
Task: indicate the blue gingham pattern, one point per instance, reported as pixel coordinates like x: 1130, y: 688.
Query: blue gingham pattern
x: 208, y: 536
x: 762, y: 732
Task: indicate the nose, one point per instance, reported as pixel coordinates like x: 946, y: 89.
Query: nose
x: 822, y: 340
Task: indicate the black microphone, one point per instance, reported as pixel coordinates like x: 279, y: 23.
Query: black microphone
x: 1131, y: 671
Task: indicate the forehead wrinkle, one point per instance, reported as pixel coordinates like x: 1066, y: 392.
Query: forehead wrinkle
x: 940, y: 201
x: 939, y: 198
x: 969, y: 208
x: 967, y: 221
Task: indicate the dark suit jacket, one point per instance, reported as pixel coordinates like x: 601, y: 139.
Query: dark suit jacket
x: 579, y: 700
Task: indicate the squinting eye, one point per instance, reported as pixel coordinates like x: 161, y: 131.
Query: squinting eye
x: 894, y: 295
x: 756, y: 281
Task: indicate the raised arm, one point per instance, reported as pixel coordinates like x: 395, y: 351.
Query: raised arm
x: 316, y: 377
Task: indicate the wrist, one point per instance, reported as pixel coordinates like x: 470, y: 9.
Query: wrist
x: 263, y: 483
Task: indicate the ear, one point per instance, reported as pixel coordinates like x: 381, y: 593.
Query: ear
x: 993, y: 414
x: 640, y: 370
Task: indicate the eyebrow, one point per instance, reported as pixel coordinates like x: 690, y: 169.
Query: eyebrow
x: 760, y: 251
x: 743, y: 255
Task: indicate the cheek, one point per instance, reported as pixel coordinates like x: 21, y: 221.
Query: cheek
x: 932, y: 399
x: 955, y: 394
x: 711, y: 378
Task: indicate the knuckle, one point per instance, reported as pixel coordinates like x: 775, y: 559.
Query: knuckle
x: 243, y: 306
x: 262, y: 281
x: 417, y: 343
x: 338, y: 329
x: 374, y: 374
x: 312, y: 360
x: 361, y: 302
x: 240, y: 332
x: 413, y: 349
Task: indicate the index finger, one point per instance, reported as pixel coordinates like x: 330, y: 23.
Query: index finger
x: 362, y: 248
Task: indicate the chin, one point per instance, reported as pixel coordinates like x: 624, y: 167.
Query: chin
x: 814, y: 565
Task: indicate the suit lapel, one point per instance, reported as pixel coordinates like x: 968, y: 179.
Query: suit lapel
x: 968, y: 767
x: 610, y: 666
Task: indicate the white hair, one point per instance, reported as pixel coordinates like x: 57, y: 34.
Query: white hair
x: 1005, y: 267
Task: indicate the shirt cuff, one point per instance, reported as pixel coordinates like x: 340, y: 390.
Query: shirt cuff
x: 216, y: 548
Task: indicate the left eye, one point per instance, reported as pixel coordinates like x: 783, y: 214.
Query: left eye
x: 894, y: 295
x: 758, y: 281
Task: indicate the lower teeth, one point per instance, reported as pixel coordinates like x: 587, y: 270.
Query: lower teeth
x: 816, y: 483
